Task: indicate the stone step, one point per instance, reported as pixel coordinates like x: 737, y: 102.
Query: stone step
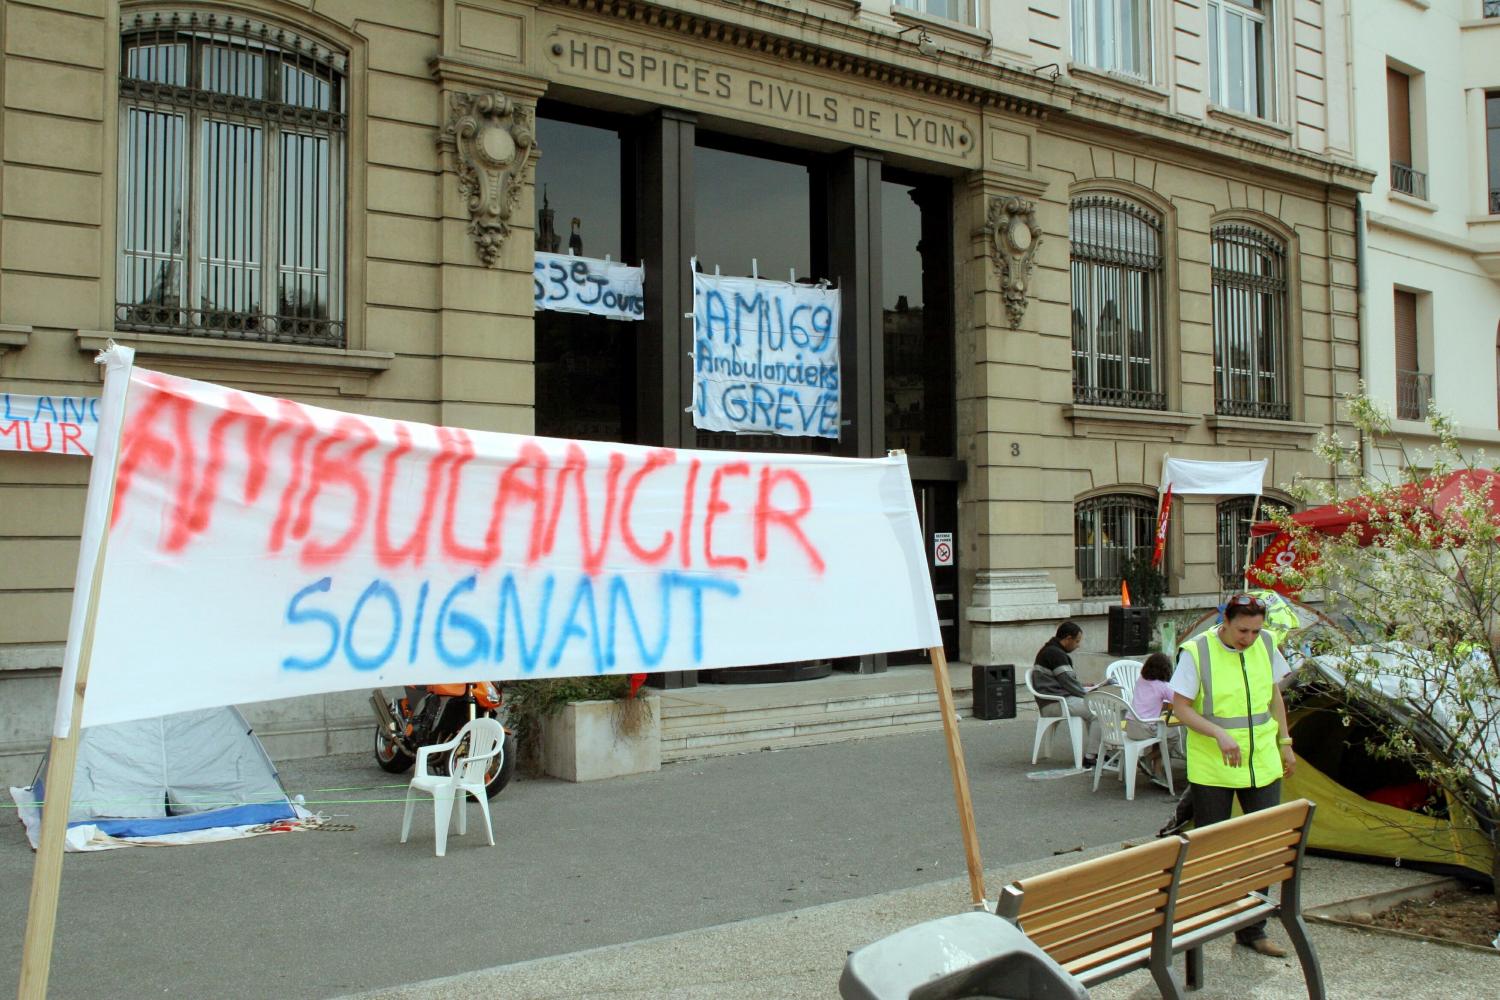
x: 734, y: 733
x: 671, y: 754
x: 678, y: 715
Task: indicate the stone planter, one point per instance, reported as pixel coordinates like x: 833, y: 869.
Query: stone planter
x: 581, y: 742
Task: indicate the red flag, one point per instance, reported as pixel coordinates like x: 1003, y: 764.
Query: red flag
x: 1161, y: 527
x: 1280, y: 553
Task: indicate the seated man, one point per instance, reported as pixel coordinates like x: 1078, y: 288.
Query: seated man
x: 1054, y: 676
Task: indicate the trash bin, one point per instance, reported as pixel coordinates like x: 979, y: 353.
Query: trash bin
x: 995, y: 691
x: 1129, y: 630
x: 966, y: 955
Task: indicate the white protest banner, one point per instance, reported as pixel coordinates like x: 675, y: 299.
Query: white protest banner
x: 765, y: 356
x: 260, y: 548
x: 55, y: 425
x: 564, y: 283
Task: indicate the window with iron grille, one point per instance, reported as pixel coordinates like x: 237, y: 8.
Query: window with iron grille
x: 1107, y: 531
x: 1116, y: 274
x: 1250, y: 317
x: 232, y: 145
x: 1234, y: 520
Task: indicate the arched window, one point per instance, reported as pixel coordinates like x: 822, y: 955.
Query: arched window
x: 1116, y: 273
x: 1234, y: 520
x: 231, y: 217
x: 1250, y: 321
x: 1107, y: 531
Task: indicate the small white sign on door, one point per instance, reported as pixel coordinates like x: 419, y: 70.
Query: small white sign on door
x: 942, y: 548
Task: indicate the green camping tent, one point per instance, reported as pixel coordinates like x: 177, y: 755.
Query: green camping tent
x: 1361, y: 799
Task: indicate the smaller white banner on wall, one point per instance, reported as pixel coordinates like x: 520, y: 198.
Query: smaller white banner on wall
x: 765, y: 356
x: 53, y: 425
x: 563, y: 283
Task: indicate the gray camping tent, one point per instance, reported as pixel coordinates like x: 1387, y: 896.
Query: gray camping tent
x: 174, y: 774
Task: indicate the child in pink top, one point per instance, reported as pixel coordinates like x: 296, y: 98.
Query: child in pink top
x: 1152, y: 694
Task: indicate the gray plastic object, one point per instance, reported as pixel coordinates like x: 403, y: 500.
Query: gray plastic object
x: 974, y: 955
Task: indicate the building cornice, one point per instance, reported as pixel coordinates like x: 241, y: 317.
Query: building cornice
x: 13, y: 338
x: 1486, y: 255
x: 859, y: 51
x: 709, y: 22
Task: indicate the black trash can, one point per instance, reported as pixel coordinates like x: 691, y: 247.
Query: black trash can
x: 995, y: 691
x: 1129, y: 630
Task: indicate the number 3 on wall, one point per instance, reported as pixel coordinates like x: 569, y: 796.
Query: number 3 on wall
x: 1015, y: 449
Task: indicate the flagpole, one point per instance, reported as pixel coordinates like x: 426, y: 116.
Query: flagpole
x: 46, y: 878
x: 1249, y: 538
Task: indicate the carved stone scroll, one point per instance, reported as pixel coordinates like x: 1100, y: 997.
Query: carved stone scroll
x: 1014, y: 236
x: 492, y: 137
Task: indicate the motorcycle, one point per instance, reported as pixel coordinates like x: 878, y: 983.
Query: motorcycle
x: 424, y: 716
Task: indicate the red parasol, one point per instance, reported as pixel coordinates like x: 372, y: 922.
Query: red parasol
x: 1335, y: 519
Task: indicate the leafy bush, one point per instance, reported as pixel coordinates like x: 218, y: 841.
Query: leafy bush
x: 1148, y: 585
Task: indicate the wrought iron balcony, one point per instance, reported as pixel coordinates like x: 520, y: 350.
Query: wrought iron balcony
x: 1408, y: 180
x: 1262, y: 409
x: 1132, y: 399
x: 1413, y: 393
x: 1492, y: 8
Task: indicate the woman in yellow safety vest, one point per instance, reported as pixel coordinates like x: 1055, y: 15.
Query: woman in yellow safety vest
x: 1226, y: 691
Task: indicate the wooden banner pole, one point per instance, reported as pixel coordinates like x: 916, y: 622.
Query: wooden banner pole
x: 960, y: 776
x: 62, y: 759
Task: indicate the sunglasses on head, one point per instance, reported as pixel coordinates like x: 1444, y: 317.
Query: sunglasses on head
x: 1246, y: 601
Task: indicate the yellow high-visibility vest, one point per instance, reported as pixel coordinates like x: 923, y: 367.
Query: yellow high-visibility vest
x: 1234, y: 693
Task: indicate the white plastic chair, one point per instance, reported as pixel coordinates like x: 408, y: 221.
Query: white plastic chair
x: 1118, y: 752
x: 1046, y: 722
x: 1123, y: 674
x: 465, y: 777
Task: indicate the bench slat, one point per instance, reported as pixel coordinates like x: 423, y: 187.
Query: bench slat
x: 1102, y: 924
x: 1254, y: 826
x: 1089, y: 877
x: 1184, y: 931
x: 1192, y: 883
x: 1144, y: 893
x: 1064, y: 952
x: 1199, y: 856
x: 1228, y: 891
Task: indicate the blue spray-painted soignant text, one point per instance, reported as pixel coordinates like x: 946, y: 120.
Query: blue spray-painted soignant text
x: 765, y: 357
x: 519, y: 624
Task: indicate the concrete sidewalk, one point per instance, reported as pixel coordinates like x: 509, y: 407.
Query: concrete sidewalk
x: 801, y: 954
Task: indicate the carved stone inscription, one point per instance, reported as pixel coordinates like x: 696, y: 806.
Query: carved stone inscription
x: 785, y: 102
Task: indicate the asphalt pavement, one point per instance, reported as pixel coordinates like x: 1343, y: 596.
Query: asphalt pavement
x: 575, y: 867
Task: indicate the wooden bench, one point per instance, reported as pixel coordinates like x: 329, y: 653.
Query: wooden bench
x: 1136, y: 908
x: 1105, y: 917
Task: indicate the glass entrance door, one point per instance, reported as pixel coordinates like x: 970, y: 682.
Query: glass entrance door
x: 937, y: 508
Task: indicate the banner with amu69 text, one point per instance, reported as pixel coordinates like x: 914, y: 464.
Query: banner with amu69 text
x: 260, y: 548
x: 765, y: 356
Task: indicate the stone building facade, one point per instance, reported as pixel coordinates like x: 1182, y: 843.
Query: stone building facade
x: 1071, y: 237
x: 1428, y: 122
